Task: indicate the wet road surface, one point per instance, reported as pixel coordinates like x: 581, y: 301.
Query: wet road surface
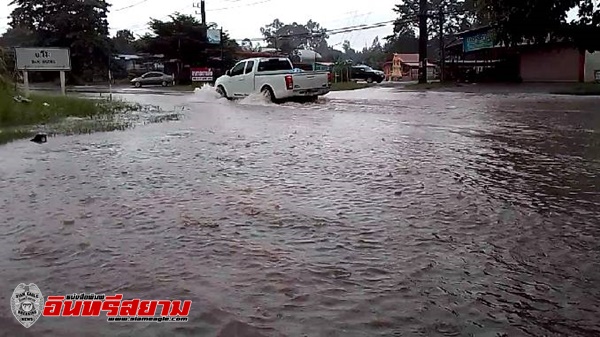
x: 371, y: 213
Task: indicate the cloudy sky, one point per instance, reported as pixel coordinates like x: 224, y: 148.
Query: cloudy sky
x: 243, y: 18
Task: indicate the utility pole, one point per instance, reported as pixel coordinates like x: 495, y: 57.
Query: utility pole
x: 423, y: 37
x: 203, y: 12
x: 442, y: 18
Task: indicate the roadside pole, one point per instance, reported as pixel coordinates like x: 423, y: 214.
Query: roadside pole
x: 423, y: 41
x: 26, y: 82
x: 109, y: 77
x: 442, y: 46
x: 63, y: 83
x: 109, y: 85
x: 222, y: 61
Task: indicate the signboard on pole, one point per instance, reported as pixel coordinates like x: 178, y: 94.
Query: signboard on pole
x: 213, y: 36
x: 479, y: 41
x: 202, y: 74
x: 43, y: 59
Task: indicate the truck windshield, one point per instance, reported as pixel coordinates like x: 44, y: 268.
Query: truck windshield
x: 274, y: 64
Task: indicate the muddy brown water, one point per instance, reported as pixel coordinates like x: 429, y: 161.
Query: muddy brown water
x: 371, y: 213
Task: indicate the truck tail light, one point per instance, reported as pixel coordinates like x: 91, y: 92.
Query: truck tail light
x: 329, y: 77
x: 289, y: 82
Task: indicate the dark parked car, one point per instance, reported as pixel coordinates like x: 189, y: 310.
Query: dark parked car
x: 367, y: 73
x: 153, y: 77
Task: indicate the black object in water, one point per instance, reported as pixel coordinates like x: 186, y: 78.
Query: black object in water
x: 40, y: 138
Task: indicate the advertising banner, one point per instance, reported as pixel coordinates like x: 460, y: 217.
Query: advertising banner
x: 478, y: 41
x: 201, y: 74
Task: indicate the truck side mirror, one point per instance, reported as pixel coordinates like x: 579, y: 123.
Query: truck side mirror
x: 228, y: 73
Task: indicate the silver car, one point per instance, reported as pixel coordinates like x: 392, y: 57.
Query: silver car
x: 153, y: 78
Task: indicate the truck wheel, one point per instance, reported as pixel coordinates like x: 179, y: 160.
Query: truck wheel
x: 369, y: 80
x: 221, y: 91
x: 268, y: 93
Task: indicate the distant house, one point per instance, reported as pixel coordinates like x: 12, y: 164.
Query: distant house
x: 405, y: 66
x: 140, y: 62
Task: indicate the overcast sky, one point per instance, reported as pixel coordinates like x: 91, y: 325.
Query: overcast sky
x: 243, y: 18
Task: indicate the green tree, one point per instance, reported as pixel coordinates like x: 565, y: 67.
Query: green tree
x: 349, y: 53
x: 541, y: 21
x: 459, y: 15
x: 375, y: 55
x: 184, y: 37
x: 18, y: 37
x: 124, y: 42
x: 288, y: 37
x: 81, y: 26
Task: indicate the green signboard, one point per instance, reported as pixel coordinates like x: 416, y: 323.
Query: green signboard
x: 478, y: 41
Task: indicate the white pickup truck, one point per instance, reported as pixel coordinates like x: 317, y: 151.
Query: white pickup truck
x: 273, y: 77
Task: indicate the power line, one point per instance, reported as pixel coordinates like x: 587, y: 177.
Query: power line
x: 336, y: 31
x: 133, y: 28
x: 130, y: 6
x: 240, y: 6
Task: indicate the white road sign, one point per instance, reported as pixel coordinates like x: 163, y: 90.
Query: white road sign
x: 49, y: 59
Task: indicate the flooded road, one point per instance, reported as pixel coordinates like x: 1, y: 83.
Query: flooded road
x: 370, y: 213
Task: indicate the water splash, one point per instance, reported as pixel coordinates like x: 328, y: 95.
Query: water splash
x: 256, y: 99
x: 206, y: 94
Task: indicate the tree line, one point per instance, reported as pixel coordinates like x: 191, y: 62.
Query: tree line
x: 514, y: 21
x: 83, y: 27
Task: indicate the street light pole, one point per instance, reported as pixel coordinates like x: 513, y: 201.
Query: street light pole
x: 423, y: 41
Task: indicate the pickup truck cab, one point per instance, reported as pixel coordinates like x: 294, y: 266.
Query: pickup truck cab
x: 273, y: 77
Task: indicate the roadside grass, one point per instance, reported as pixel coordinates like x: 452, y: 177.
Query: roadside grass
x: 580, y: 89
x: 44, y: 109
x: 65, y: 114
x: 341, y: 86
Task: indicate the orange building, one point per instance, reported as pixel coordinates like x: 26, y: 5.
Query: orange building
x: 405, y: 66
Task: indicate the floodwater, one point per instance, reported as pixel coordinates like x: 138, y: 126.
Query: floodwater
x: 370, y: 213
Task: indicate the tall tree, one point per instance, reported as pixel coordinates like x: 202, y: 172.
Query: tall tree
x: 124, y: 42
x: 184, y: 37
x: 375, y: 55
x: 541, y: 21
x: 18, y: 37
x: 287, y: 37
x: 247, y: 44
x: 459, y: 15
x: 81, y: 26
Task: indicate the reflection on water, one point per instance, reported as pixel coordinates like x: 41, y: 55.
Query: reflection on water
x: 378, y: 214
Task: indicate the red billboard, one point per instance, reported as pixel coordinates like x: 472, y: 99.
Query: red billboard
x: 201, y: 74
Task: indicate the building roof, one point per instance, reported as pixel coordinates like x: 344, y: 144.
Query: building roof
x: 416, y: 64
x: 474, y: 30
x: 407, y: 58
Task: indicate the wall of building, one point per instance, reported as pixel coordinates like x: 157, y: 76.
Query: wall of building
x: 592, y: 63
x: 550, y: 65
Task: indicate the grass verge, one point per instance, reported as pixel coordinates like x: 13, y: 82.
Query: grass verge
x: 581, y: 89
x: 341, y: 86
x: 20, y: 119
